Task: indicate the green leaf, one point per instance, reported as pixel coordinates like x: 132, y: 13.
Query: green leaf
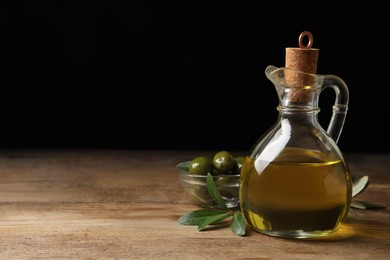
x: 238, y: 225
x: 184, y: 166
x: 359, y: 185
x: 213, y: 219
x: 198, y: 216
x: 214, y: 193
x: 365, y: 205
x: 205, y: 217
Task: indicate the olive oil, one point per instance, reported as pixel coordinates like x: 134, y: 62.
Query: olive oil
x: 301, y: 193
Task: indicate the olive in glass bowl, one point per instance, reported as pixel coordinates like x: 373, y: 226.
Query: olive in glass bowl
x: 225, y: 173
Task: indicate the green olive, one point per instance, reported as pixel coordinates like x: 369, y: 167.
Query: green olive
x: 223, y: 161
x: 200, y: 165
x: 238, y: 164
x: 240, y: 159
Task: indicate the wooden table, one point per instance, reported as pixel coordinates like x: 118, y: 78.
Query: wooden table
x: 123, y: 204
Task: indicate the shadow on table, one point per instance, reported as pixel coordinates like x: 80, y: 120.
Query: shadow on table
x: 354, y: 228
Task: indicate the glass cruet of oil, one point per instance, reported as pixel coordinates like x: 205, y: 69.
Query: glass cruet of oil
x: 295, y: 181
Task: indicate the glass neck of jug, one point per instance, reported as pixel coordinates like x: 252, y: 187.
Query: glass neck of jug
x: 300, y: 91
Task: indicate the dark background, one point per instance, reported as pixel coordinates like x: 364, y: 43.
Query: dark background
x: 184, y: 75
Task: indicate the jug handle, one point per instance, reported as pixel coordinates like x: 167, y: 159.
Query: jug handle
x: 340, y: 106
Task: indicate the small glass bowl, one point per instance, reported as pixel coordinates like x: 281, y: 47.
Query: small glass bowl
x: 196, y: 187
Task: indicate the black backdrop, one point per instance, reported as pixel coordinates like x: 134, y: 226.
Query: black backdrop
x: 189, y: 75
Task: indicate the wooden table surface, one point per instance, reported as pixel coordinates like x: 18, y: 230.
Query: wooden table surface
x: 123, y: 204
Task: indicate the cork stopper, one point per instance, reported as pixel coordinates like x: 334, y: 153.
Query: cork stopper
x: 302, y: 59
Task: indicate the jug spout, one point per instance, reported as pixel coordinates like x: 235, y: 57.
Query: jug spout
x: 296, y: 89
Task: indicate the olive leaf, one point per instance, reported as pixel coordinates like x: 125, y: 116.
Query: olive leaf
x: 365, y: 205
x: 238, y: 225
x: 205, y: 217
x: 197, y: 217
x: 184, y: 166
x: 213, y: 190
x: 359, y: 185
x: 213, y: 219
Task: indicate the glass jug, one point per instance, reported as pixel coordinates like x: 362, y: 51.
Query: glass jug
x: 295, y: 181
